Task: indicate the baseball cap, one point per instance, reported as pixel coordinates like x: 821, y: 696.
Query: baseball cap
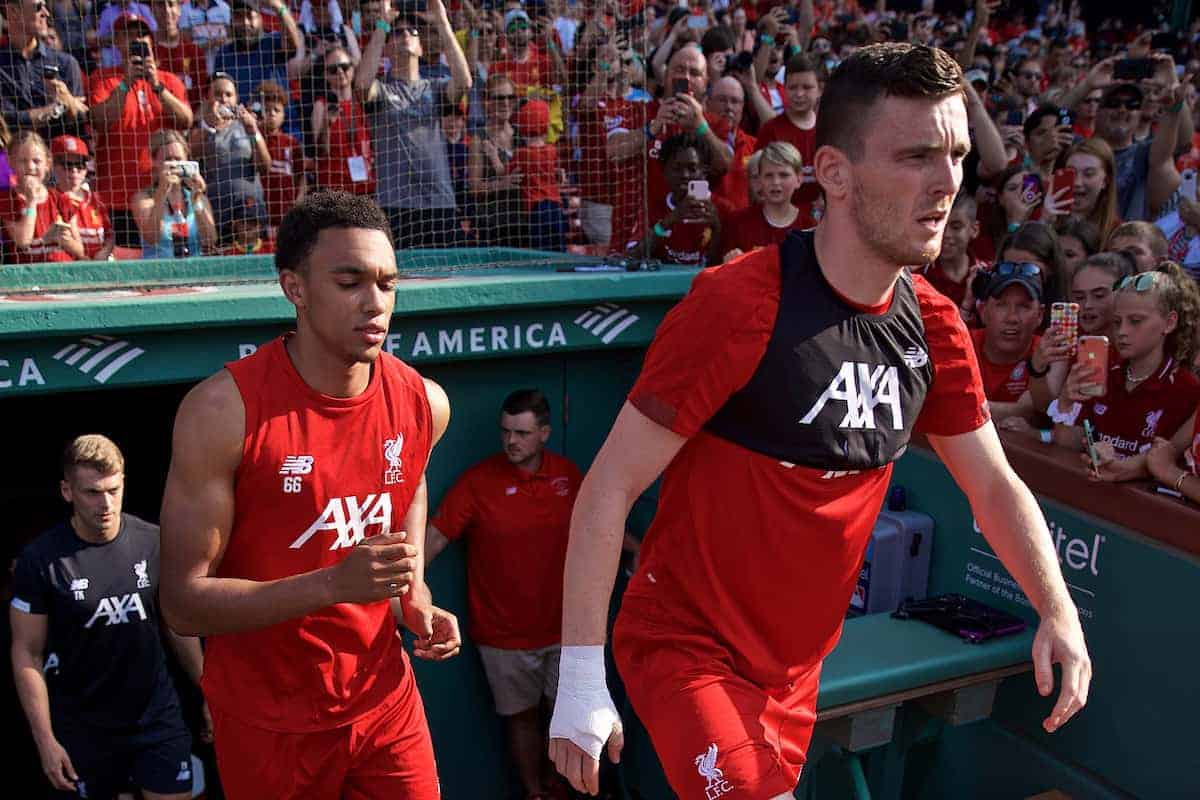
x: 1010, y: 273
x: 66, y: 145
x: 977, y: 76
x: 514, y: 15
x: 129, y: 18
x: 533, y: 118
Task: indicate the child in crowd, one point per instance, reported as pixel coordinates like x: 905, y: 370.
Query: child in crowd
x: 1143, y: 241
x: 284, y: 183
x: 1151, y: 390
x: 37, y: 223
x: 537, y: 162
x: 683, y: 228
x: 247, y: 227
x: 96, y: 232
x: 1011, y: 312
x: 797, y: 125
x: 1091, y: 288
x: 952, y: 271
x: 779, y: 173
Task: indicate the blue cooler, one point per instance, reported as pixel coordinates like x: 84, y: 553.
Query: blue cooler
x: 896, y: 567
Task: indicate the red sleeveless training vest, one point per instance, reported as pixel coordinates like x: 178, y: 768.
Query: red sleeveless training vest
x: 318, y: 474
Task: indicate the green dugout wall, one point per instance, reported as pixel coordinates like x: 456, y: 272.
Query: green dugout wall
x: 113, y: 347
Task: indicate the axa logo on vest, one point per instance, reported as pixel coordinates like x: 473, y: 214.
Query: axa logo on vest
x: 862, y: 387
x: 1078, y: 554
x: 349, y: 518
x: 116, y: 610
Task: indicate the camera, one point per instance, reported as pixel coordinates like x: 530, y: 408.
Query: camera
x: 50, y: 72
x: 184, y: 169
x: 226, y: 112
x: 139, y: 49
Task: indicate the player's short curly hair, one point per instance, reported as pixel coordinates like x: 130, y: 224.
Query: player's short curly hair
x: 317, y: 211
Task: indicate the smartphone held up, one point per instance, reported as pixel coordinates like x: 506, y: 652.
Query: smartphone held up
x: 1093, y: 353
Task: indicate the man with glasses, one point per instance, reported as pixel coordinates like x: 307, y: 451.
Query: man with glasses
x: 129, y: 103
x: 41, y: 89
x: 1029, y: 82
x: 535, y: 70
x: 415, y: 187
x: 1146, y: 174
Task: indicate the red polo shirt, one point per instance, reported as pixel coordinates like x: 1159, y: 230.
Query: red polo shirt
x: 516, y: 526
x: 1002, y: 383
x: 1160, y: 406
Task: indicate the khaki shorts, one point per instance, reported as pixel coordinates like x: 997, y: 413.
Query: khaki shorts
x: 520, y: 678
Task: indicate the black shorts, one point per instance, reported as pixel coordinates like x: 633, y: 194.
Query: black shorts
x: 157, y: 759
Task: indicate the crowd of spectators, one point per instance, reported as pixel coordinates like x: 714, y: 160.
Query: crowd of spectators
x: 679, y: 133
x: 544, y: 123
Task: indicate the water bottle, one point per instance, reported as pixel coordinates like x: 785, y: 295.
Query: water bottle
x: 179, y: 237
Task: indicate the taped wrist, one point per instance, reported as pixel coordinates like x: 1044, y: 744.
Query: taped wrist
x: 583, y: 711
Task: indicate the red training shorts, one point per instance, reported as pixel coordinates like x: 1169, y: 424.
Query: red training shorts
x: 385, y: 754
x: 717, y: 735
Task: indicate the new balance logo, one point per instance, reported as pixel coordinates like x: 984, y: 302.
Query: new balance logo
x: 108, y: 354
x: 915, y: 357
x: 839, y: 473
x: 862, y: 387
x: 185, y: 772
x: 296, y: 465
x: 116, y: 610
x: 350, y: 520
x: 78, y: 587
x: 606, y: 321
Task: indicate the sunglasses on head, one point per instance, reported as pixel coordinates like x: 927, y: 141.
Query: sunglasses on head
x: 1007, y: 269
x: 1130, y: 104
x: 341, y: 66
x: 1140, y: 283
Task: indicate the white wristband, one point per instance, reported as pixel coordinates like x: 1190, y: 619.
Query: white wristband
x: 583, y: 711
x: 1065, y: 416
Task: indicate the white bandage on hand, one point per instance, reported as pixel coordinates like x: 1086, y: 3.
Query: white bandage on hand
x: 583, y: 712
